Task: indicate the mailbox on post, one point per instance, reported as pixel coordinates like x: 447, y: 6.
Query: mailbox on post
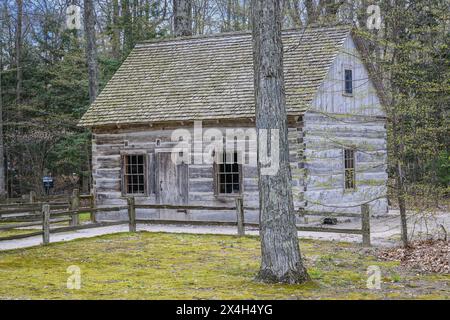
x: 48, y: 184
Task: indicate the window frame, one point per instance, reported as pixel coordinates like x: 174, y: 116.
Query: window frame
x: 345, y: 69
x: 351, y: 169
x: 217, y: 173
x: 145, y: 163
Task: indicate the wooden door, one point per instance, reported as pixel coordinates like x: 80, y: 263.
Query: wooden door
x: 171, y: 185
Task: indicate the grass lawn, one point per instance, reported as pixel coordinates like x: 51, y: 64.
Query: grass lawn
x: 181, y: 266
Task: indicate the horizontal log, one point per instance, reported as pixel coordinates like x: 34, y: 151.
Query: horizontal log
x: 58, y: 206
x: 328, y: 214
x: 31, y: 217
x: 329, y: 230
x: 29, y: 224
x: 88, y: 226
x: 85, y: 210
x: 193, y: 222
x: 16, y: 205
x: 54, y: 200
x: 24, y: 211
x: 30, y: 207
x: 21, y: 236
x: 315, y: 213
x: 118, y: 208
x: 255, y: 225
x: 204, y: 185
x: 13, y: 199
x: 181, y: 207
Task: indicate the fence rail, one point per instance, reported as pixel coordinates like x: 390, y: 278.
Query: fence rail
x: 50, y: 214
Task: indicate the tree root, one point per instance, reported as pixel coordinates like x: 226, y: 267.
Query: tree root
x: 290, y: 277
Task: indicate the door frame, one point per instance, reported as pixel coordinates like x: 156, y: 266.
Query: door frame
x: 158, y: 180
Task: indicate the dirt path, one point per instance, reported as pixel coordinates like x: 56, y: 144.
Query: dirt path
x: 385, y: 231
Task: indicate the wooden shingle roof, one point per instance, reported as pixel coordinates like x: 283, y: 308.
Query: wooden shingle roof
x: 202, y: 78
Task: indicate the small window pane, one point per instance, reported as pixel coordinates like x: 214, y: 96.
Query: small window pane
x: 349, y: 169
x: 134, y: 175
x: 348, y: 81
x: 228, y: 178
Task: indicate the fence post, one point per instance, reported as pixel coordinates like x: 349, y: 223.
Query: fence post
x: 131, y: 214
x: 75, y: 205
x: 46, y: 224
x: 32, y: 196
x: 240, y: 216
x: 92, y: 205
x: 365, y: 217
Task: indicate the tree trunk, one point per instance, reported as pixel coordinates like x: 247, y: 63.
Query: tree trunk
x: 19, y: 72
x: 228, y: 22
x: 310, y: 12
x: 115, y: 41
x: 91, y: 48
x: 182, y: 17
x: 280, y: 253
x: 294, y: 12
x: 332, y: 8
x: 402, y: 205
x: 128, y: 41
x: 2, y: 149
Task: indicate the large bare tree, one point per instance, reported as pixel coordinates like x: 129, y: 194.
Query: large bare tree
x: 91, y: 48
x: 2, y: 147
x: 92, y: 63
x: 19, y: 44
x: 281, y: 260
x: 115, y: 37
x: 182, y: 17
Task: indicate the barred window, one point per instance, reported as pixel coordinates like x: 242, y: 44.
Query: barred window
x: 349, y: 169
x: 228, y: 174
x: 134, y: 174
x: 348, y: 81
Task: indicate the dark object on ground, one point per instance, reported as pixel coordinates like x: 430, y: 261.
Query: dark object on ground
x: 427, y: 256
x: 332, y: 221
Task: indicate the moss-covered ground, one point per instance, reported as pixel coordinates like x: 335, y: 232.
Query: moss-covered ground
x: 183, y: 266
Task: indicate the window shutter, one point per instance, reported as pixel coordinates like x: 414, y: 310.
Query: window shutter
x: 241, y: 180
x: 122, y: 174
x: 215, y: 180
x: 183, y: 182
x: 151, y: 174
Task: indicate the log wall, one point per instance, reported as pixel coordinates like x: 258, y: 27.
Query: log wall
x: 110, y: 144
x: 336, y: 121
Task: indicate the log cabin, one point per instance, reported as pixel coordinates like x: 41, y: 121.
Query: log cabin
x: 199, y: 84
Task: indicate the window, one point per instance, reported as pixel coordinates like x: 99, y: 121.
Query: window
x: 228, y: 175
x: 134, y: 174
x: 348, y: 81
x: 349, y: 169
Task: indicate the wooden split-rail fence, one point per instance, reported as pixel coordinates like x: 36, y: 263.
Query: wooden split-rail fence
x: 51, y: 213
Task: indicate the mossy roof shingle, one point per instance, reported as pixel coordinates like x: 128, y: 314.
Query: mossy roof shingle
x: 203, y: 78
